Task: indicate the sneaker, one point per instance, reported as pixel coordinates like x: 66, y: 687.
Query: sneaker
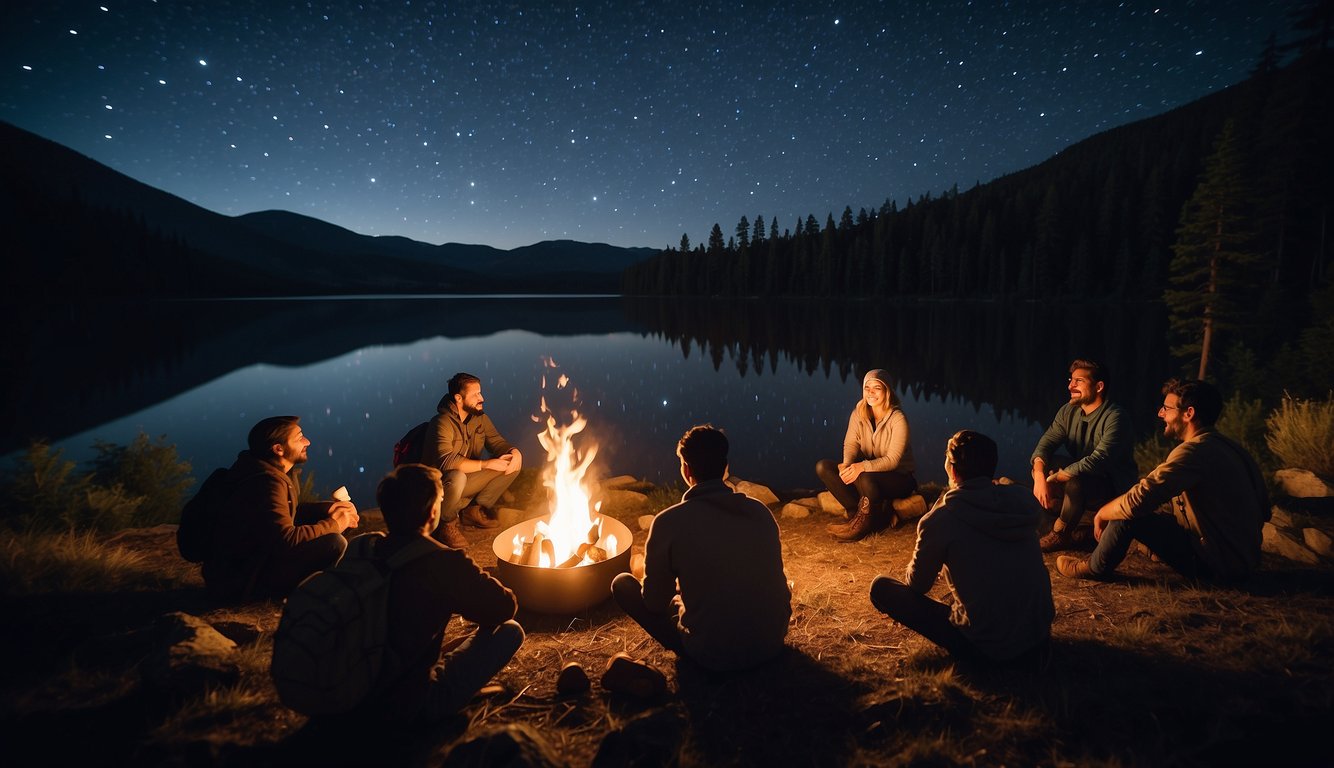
x: 451, y: 535
x: 476, y: 516
x: 635, y: 678
x: 1056, y: 540
x: 1074, y: 567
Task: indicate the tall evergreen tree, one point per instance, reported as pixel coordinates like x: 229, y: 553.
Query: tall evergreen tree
x: 1212, y: 255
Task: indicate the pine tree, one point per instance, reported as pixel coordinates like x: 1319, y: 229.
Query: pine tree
x: 1212, y: 255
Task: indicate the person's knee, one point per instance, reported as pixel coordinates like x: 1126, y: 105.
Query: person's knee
x: 510, y: 634
x: 825, y: 467
x: 625, y: 588
x: 452, y: 482
x: 884, y: 591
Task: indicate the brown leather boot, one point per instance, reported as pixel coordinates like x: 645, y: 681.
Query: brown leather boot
x: 861, y: 524
x: 451, y: 535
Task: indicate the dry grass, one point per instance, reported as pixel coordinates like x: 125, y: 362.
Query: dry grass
x: 1301, y: 434
x: 1144, y: 670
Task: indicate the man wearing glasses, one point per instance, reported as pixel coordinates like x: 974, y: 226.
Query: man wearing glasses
x: 1094, y: 436
x: 1218, y: 500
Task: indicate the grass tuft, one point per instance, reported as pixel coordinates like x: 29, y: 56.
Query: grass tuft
x: 37, y: 563
x: 1301, y: 435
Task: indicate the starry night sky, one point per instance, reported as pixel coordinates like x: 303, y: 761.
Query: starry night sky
x: 620, y: 122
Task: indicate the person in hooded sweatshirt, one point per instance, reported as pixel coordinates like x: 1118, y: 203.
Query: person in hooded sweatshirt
x: 981, y: 535
x: 714, y: 589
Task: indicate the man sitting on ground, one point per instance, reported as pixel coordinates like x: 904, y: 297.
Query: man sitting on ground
x: 454, y: 443
x: 1094, y: 434
x: 722, y: 549
x: 981, y: 534
x: 265, y: 540
x: 424, y: 594
x: 1218, y: 500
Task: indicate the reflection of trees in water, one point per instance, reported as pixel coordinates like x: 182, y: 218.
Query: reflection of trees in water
x: 1010, y: 356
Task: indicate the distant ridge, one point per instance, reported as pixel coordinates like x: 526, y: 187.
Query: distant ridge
x: 75, y: 227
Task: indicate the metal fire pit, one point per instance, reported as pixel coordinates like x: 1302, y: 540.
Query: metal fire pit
x: 560, y: 590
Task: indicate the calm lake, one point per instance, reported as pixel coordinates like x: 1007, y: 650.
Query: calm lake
x: 779, y: 377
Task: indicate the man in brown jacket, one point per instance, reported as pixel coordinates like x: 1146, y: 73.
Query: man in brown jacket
x: 265, y: 540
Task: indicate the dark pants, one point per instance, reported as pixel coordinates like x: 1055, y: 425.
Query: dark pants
x: 287, y: 568
x: 1161, y: 534
x: 876, y: 486
x: 1082, y: 493
x: 484, y: 487
x: 928, y: 618
x: 628, y: 593
x: 465, y: 670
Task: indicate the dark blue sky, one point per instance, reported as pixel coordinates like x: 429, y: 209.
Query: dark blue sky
x: 621, y: 122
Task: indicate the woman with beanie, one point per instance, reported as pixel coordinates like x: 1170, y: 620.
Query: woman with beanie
x: 877, y: 465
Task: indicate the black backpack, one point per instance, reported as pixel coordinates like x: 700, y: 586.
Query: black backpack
x: 408, y: 450
x: 194, y: 536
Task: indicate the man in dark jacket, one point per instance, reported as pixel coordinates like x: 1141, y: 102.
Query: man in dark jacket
x: 265, y: 541
x: 417, y: 684
x: 981, y: 534
x: 454, y: 444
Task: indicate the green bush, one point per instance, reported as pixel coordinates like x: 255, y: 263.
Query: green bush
x: 143, y: 483
x: 147, y: 469
x: 1151, y: 452
x: 1244, y: 421
x: 1301, y: 435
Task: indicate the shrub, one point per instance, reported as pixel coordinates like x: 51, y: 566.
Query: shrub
x: 141, y: 484
x: 1244, y: 421
x: 149, y: 470
x: 1151, y: 452
x: 1301, y: 435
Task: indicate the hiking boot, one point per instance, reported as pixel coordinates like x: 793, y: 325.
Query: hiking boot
x: 1056, y: 540
x: 1074, y: 567
x: 451, y: 535
x: 572, y: 680
x: 861, y: 524
x: 635, y: 678
x: 476, y: 516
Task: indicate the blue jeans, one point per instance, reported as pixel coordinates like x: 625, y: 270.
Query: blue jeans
x: 1160, y: 533
x: 484, y: 487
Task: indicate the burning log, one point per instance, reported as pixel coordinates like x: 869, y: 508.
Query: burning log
x: 521, y: 557
x: 534, y: 549
x: 583, y: 549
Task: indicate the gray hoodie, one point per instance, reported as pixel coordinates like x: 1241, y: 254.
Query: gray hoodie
x: 984, y: 537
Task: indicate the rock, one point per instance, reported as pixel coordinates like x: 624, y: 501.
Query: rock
x: 619, y: 483
x: 1277, y: 542
x: 758, y: 492
x: 1003, y: 480
x: 645, y: 521
x: 572, y: 680
x: 240, y: 632
x: 652, y: 738
x: 1302, y: 484
x: 809, y: 502
x: 796, y: 511
x: 1281, y: 518
x: 1318, y: 542
x: 622, y: 501
x: 189, y: 655
x: 516, y: 745
x: 829, y: 504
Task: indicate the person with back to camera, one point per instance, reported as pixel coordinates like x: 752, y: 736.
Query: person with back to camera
x: 265, y: 541
x: 877, y: 466
x: 981, y: 535
x: 424, y: 594
x: 714, y: 589
x: 455, y: 442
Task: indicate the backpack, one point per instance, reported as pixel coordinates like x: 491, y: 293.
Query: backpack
x: 194, y: 536
x: 408, y: 449
x: 329, y: 649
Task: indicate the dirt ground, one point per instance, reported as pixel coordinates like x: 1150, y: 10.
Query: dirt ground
x: 1143, y: 670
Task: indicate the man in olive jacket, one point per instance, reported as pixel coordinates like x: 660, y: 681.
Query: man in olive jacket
x: 265, y: 541
x: 455, y: 441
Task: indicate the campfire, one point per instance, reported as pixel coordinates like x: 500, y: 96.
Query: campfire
x: 564, y: 561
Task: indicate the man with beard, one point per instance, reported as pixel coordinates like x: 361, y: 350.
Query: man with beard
x: 265, y: 540
x: 454, y: 444
x: 1094, y: 434
x: 1218, y: 500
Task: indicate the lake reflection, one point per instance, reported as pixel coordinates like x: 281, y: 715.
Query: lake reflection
x: 779, y: 377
